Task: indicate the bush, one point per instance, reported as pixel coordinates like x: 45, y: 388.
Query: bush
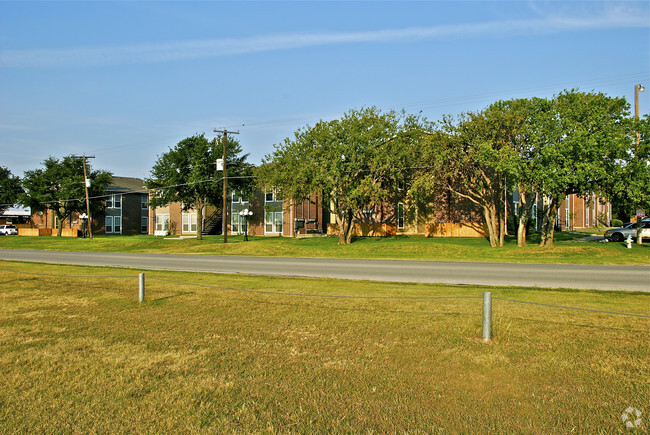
x: 617, y: 223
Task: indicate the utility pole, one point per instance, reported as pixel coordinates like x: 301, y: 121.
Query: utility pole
x: 225, y: 187
x: 639, y: 219
x: 83, y: 159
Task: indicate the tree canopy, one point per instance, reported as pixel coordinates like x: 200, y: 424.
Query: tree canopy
x: 187, y: 173
x: 352, y: 162
x: 59, y: 186
x: 10, y: 189
x: 578, y: 141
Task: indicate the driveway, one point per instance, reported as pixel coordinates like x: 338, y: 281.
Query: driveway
x: 600, y: 277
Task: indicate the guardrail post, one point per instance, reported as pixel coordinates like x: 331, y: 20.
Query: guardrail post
x: 487, y: 316
x: 141, y: 282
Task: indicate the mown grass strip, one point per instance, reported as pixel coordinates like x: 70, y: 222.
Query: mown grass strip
x: 79, y: 354
x: 403, y: 247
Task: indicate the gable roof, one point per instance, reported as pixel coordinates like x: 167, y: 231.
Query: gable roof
x: 127, y: 184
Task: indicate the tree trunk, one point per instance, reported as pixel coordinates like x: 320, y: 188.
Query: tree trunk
x: 346, y: 225
x: 492, y: 226
x: 61, y: 219
x: 521, y: 230
x: 525, y: 207
x: 199, y: 219
x: 548, y: 226
x: 502, y: 226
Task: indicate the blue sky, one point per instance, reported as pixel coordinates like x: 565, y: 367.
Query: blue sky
x: 125, y: 81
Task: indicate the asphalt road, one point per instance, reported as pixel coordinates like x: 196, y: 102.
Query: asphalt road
x: 493, y: 274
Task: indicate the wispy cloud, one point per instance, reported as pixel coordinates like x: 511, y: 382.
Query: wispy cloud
x: 187, y: 50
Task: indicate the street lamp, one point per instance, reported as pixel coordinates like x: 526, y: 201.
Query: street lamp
x: 83, y: 217
x: 246, y: 213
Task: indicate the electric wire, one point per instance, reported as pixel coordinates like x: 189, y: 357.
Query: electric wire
x: 325, y: 296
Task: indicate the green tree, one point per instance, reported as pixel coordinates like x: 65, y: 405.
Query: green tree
x: 473, y: 156
x: 578, y: 140
x: 10, y: 188
x: 59, y: 186
x: 352, y: 163
x: 632, y: 186
x: 516, y: 129
x: 187, y: 173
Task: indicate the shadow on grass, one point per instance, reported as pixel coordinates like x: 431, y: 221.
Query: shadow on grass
x: 172, y: 296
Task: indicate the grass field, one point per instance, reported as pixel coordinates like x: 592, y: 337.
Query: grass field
x: 566, y: 249
x: 243, y: 354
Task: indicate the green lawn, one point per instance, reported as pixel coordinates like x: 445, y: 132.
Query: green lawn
x: 566, y: 249
x: 243, y: 354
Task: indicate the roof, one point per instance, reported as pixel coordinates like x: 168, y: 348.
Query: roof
x: 127, y: 184
x: 15, y: 213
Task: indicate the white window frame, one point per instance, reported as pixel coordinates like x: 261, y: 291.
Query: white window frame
x: 236, y: 224
x: 237, y: 199
x: 162, y: 222
x: 113, y: 225
x: 274, y: 196
x: 114, y: 201
x: 144, y: 201
x: 273, y: 220
x: 400, y: 215
x: 189, y: 221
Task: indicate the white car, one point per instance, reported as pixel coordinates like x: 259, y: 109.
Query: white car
x: 629, y: 229
x: 8, y: 230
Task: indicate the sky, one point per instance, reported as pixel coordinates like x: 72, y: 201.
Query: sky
x: 126, y: 81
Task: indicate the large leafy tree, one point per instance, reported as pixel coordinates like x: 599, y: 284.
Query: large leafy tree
x: 352, y: 163
x: 632, y: 186
x: 473, y: 157
x: 59, y: 186
x: 578, y: 140
x: 10, y: 188
x: 187, y: 173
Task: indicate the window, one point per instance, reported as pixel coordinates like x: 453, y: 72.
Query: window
x: 189, y: 222
x: 278, y: 221
x: 162, y: 222
x: 272, y: 196
x: 236, y: 224
x: 56, y: 222
x: 236, y: 199
x: 113, y: 225
x: 268, y: 222
x: 400, y: 216
x: 114, y: 201
x: 144, y: 225
x: 144, y: 201
x: 273, y: 222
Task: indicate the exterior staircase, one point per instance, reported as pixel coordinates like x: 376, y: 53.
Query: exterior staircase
x: 213, y: 224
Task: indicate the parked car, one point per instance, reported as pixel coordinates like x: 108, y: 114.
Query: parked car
x: 8, y: 230
x: 629, y: 229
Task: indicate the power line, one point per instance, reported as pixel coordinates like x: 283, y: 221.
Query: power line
x: 326, y: 296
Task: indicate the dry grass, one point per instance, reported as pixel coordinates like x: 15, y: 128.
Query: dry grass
x: 78, y: 354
